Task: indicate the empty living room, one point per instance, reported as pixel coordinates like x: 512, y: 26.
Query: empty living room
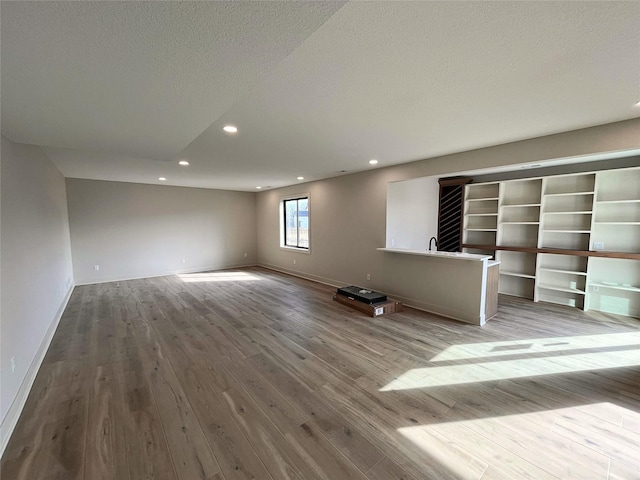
x: 320, y: 240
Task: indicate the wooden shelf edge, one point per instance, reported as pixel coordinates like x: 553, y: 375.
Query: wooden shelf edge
x: 557, y: 251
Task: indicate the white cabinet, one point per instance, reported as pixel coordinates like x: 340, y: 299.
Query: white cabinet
x: 557, y: 237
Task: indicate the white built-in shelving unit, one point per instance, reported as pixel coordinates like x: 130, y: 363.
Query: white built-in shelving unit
x: 557, y: 237
x: 566, y: 217
x: 519, y: 220
x: 481, y: 215
x: 614, y: 283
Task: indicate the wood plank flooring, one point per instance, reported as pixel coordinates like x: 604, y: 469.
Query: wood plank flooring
x: 251, y: 374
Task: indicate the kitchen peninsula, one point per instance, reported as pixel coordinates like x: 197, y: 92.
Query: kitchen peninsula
x: 462, y: 286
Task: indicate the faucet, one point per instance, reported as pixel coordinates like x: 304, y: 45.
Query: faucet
x: 433, y: 239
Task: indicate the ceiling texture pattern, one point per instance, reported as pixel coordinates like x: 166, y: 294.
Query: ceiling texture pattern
x: 123, y: 90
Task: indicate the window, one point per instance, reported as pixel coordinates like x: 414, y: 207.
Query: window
x: 295, y: 222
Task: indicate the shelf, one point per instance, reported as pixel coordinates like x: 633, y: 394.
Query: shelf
x: 561, y: 289
x: 616, y: 287
x: 559, y: 270
x: 617, y: 223
x: 584, y: 212
x: 598, y: 202
x: 481, y: 229
x: 568, y: 194
x: 567, y: 231
x: 516, y: 205
x: 481, y: 199
x: 482, y: 191
x: 481, y: 214
x: 517, y: 274
x: 514, y: 295
x: 522, y: 287
x: 520, y: 223
x: 570, y: 184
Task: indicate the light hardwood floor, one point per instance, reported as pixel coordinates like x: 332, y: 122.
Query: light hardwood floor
x: 254, y: 374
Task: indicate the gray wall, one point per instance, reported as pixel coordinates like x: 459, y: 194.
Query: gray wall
x: 348, y: 213
x: 35, y: 271
x: 132, y: 230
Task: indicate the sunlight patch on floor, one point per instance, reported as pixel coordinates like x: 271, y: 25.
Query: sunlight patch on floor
x: 217, y: 277
x: 597, y: 441
x: 536, y: 345
x: 505, y: 369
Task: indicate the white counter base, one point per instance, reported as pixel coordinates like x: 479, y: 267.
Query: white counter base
x: 451, y: 284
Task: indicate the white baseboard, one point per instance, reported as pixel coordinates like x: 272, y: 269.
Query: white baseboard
x: 13, y: 414
x: 294, y: 273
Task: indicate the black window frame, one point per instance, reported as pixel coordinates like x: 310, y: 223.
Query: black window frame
x: 284, y: 223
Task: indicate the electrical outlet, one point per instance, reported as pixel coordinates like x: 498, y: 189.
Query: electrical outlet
x: 13, y: 364
x: 368, y: 276
x: 294, y: 261
x: 393, y: 242
x: 184, y: 260
x: 595, y: 288
x: 598, y: 245
x: 96, y: 267
x: 245, y: 254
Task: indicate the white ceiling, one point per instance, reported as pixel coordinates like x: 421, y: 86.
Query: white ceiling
x: 123, y: 90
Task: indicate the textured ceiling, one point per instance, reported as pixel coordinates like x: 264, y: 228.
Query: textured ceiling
x: 122, y: 91
x: 138, y: 78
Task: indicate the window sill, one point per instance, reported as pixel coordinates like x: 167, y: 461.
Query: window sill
x: 296, y: 249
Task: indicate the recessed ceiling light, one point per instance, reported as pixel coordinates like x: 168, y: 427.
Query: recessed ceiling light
x: 373, y: 162
x: 162, y: 179
x: 300, y: 178
x: 637, y: 104
x: 230, y: 129
x: 258, y: 188
x: 184, y: 163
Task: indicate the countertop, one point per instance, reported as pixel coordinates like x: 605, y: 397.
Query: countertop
x: 435, y: 253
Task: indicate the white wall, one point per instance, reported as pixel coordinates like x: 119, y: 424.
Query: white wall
x: 35, y: 271
x: 133, y: 231
x: 412, y: 213
x: 348, y: 213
